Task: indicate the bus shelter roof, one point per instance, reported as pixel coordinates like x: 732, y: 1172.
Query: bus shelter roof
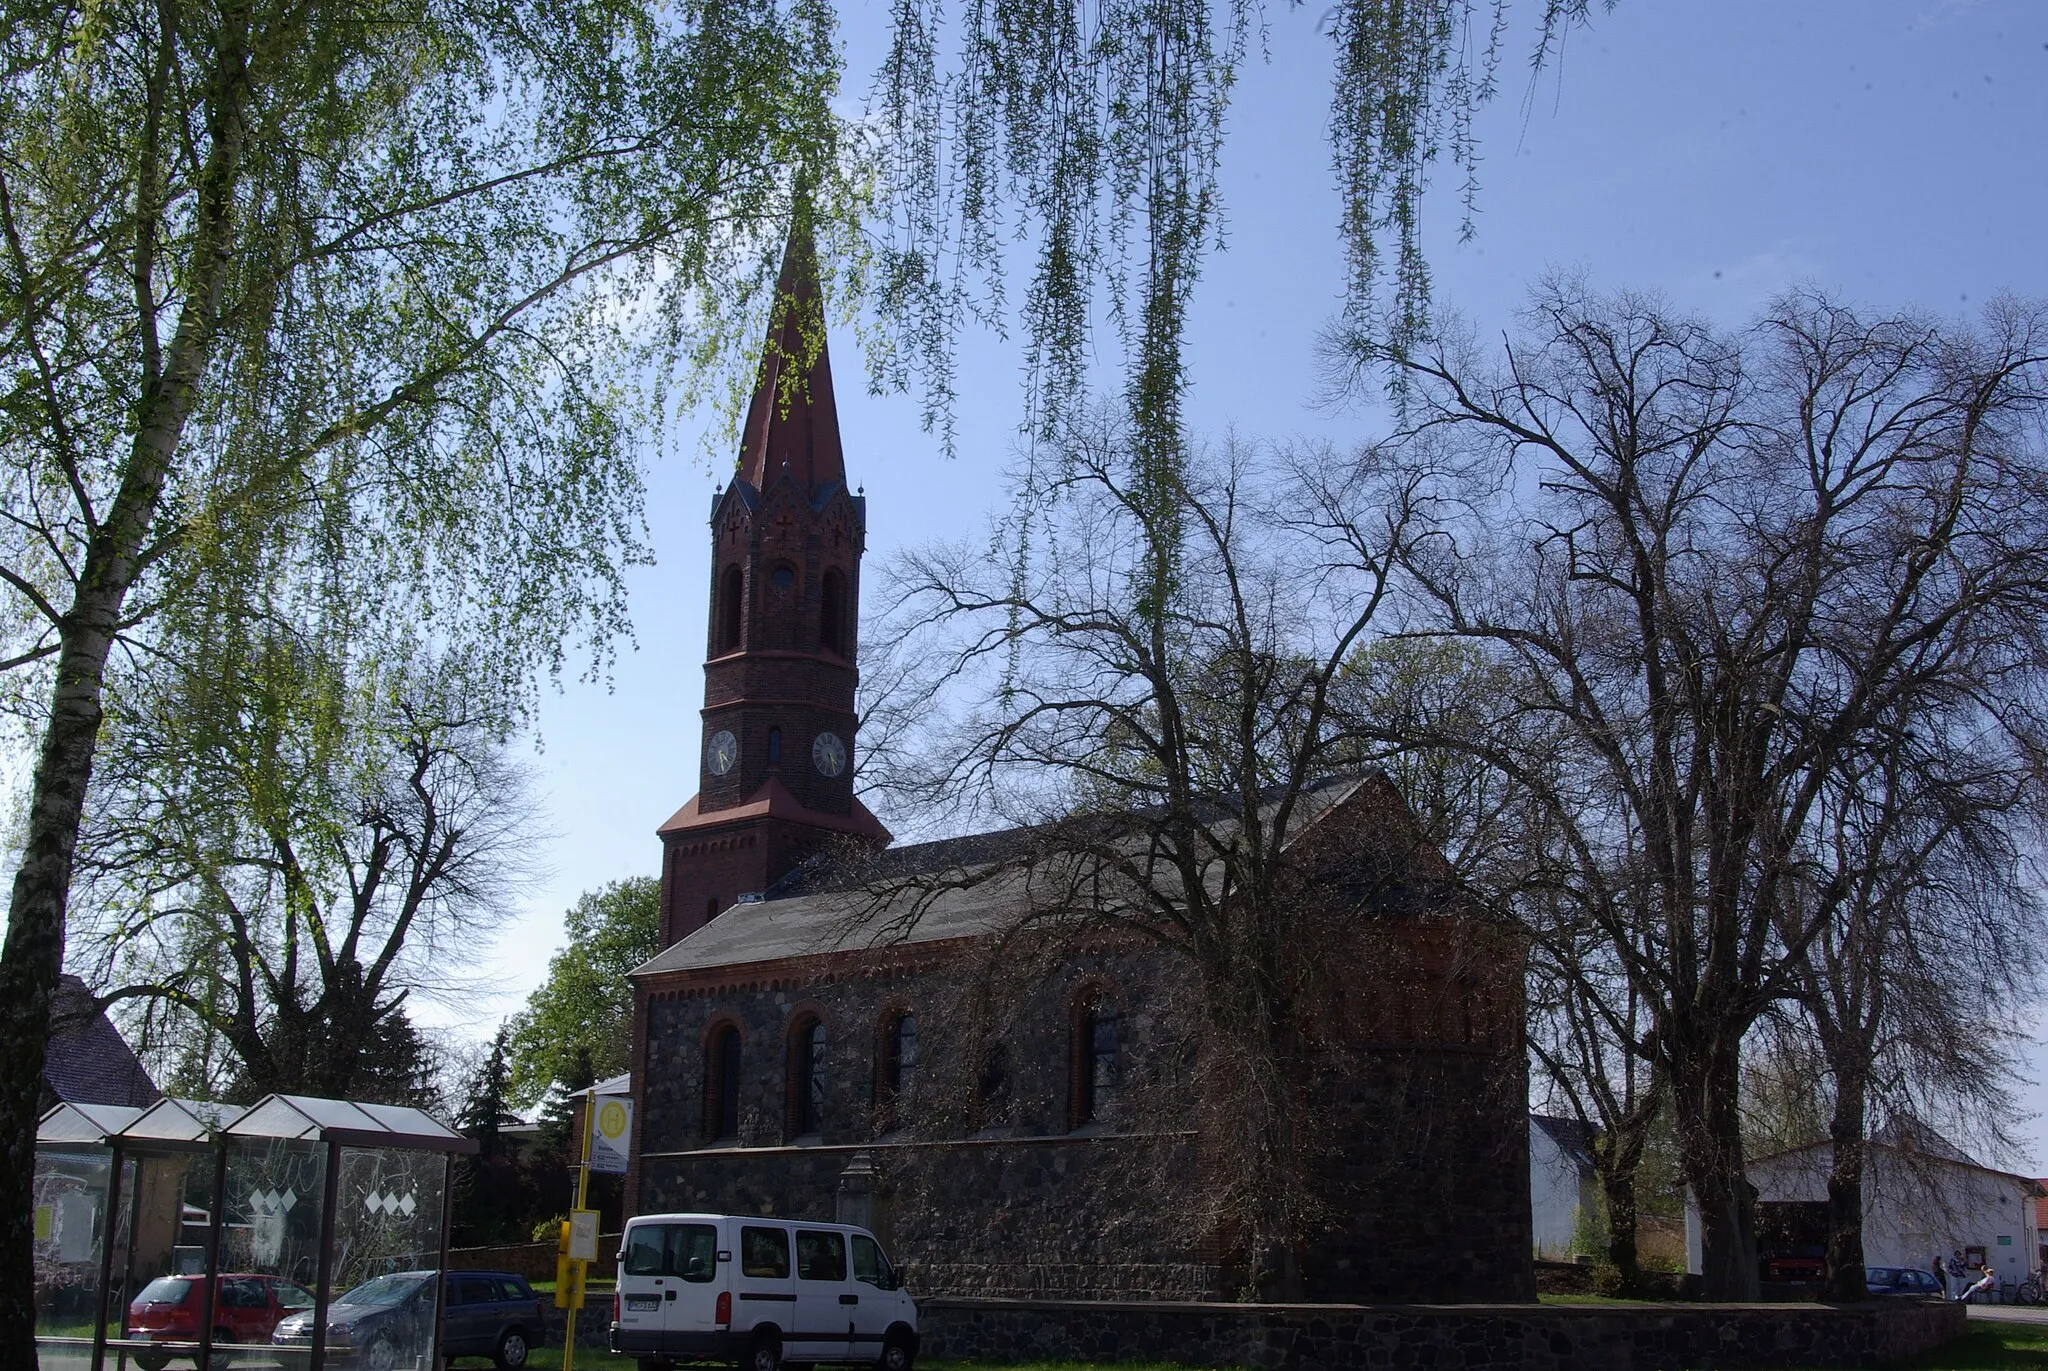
x: 182, y: 1124
x: 84, y: 1125
x: 351, y: 1122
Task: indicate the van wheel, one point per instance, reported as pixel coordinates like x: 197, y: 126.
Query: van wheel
x: 152, y: 1361
x: 766, y: 1354
x: 897, y: 1353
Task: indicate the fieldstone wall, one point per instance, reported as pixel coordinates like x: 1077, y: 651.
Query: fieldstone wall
x: 1020, y: 1217
x: 535, y: 1260
x: 1463, y: 1338
x: 1416, y: 1115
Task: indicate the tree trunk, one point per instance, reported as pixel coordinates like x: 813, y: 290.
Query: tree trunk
x: 1618, y: 1188
x: 1845, y: 1190
x: 34, y: 949
x: 1704, y: 1085
x: 29, y: 963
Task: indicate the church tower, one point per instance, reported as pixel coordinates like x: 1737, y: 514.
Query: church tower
x: 775, y: 772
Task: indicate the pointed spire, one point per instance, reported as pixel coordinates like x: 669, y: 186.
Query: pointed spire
x: 792, y: 420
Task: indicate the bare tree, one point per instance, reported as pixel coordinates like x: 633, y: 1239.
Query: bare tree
x: 285, y: 852
x: 1151, y: 689
x: 1438, y: 715
x: 1719, y: 567
x: 1924, y: 924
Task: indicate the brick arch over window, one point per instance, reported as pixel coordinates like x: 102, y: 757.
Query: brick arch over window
x: 724, y: 1064
x: 805, y: 1077
x: 896, y: 1059
x: 1095, y: 1054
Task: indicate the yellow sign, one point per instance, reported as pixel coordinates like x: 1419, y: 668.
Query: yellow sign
x: 45, y: 1229
x: 568, y: 1283
x: 611, y: 1134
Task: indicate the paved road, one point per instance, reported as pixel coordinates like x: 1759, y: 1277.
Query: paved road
x: 2010, y: 1313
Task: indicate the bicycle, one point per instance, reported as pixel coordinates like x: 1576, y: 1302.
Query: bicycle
x: 2029, y: 1291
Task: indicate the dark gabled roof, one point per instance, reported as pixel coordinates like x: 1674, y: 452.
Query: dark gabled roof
x: 88, y: 1061
x: 1574, y: 1138
x: 856, y: 899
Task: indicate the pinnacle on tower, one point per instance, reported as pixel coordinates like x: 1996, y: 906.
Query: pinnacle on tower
x: 792, y: 421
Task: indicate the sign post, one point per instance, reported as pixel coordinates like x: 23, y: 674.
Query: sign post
x: 607, y: 1131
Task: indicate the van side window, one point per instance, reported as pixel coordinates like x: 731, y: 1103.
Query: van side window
x: 869, y: 1264
x: 820, y: 1256
x: 764, y: 1252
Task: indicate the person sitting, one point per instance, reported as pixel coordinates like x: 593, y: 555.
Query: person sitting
x: 1983, y: 1282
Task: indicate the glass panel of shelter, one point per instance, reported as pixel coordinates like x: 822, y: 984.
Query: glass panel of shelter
x: 72, y: 1197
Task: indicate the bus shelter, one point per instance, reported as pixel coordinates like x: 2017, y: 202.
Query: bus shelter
x: 191, y: 1233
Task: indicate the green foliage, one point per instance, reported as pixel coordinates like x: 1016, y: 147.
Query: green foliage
x: 282, y: 847
x: 1091, y: 134
x: 488, y: 1105
x: 577, y: 1028
x: 497, y: 1190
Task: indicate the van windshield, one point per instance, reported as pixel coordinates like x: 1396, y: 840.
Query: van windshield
x: 689, y: 1250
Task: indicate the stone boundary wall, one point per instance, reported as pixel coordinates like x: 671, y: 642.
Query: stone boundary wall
x: 1497, y: 1337
x: 535, y: 1260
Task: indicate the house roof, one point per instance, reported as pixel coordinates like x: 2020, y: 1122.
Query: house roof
x: 1913, y: 1139
x: 88, y: 1061
x: 1574, y: 1138
x: 961, y: 888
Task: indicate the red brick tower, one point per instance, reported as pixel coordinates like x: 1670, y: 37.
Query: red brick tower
x: 775, y: 776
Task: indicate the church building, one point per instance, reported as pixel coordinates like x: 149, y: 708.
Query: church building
x: 793, y: 1055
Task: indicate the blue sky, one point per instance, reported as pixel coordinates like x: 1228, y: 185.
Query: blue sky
x: 1716, y: 151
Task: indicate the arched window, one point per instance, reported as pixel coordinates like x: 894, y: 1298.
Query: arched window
x: 774, y: 744
x: 731, y: 603
x: 722, y: 1085
x: 1097, y: 1067
x: 832, y: 612
x: 782, y: 578
x: 895, y: 1066
x: 806, y: 1078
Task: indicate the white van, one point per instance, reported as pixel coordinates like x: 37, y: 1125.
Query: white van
x: 757, y: 1293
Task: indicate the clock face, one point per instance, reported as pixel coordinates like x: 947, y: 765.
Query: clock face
x: 721, y: 751
x: 828, y: 754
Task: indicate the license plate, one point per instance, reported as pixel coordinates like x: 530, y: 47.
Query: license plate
x: 642, y: 1304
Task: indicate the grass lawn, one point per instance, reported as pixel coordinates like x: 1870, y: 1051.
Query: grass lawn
x: 1989, y: 1345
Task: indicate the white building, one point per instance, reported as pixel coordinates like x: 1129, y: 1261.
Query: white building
x: 1920, y: 1197
x: 1563, y: 1193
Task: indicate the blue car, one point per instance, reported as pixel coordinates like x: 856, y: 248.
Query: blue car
x: 1908, y: 1282
x: 389, y: 1321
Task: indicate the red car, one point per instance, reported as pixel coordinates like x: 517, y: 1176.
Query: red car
x: 246, y: 1307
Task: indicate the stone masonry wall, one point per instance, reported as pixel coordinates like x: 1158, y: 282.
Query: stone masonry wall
x: 1464, y: 1338
x: 1423, y: 1158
